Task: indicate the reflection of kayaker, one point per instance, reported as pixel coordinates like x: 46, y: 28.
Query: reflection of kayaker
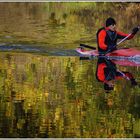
x: 107, y: 36
x: 107, y: 73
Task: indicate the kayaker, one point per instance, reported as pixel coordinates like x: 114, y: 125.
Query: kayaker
x: 107, y: 36
x: 107, y: 73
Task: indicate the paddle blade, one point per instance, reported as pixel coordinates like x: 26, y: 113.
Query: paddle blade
x: 87, y: 46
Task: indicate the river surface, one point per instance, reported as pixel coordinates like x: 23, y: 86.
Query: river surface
x: 46, y: 91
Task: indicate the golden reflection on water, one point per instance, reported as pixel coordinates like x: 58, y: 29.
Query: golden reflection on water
x: 55, y: 96
x: 43, y: 96
x: 63, y: 24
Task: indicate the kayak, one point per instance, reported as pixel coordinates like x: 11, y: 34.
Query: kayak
x: 124, y: 56
x: 124, y: 52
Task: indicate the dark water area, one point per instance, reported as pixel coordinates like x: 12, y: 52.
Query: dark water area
x: 46, y: 91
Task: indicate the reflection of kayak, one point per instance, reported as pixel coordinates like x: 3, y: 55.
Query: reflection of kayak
x: 126, y: 62
x: 125, y: 57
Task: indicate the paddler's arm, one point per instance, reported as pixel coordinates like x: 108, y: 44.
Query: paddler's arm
x: 121, y: 35
x: 131, y: 78
x: 128, y: 76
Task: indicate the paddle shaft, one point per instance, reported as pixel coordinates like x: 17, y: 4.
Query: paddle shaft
x: 124, y: 39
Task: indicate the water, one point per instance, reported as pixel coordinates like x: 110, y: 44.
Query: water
x: 49, y: 96
x: 46, y: 90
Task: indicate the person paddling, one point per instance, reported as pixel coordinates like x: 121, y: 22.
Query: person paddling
x: 107, y: 36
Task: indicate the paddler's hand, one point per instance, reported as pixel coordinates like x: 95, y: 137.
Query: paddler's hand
x: 135, y: 30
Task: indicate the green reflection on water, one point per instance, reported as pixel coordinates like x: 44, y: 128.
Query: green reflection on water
x: 44, y: 96
x: 63, y: 24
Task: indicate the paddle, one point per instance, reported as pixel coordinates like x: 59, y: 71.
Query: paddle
x: 123, y: 39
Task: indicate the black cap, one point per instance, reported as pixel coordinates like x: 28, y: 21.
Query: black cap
x: 110, y: 21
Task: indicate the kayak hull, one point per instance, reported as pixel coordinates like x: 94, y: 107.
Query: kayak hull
x: 128, y: 52
x: 124, y: 57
